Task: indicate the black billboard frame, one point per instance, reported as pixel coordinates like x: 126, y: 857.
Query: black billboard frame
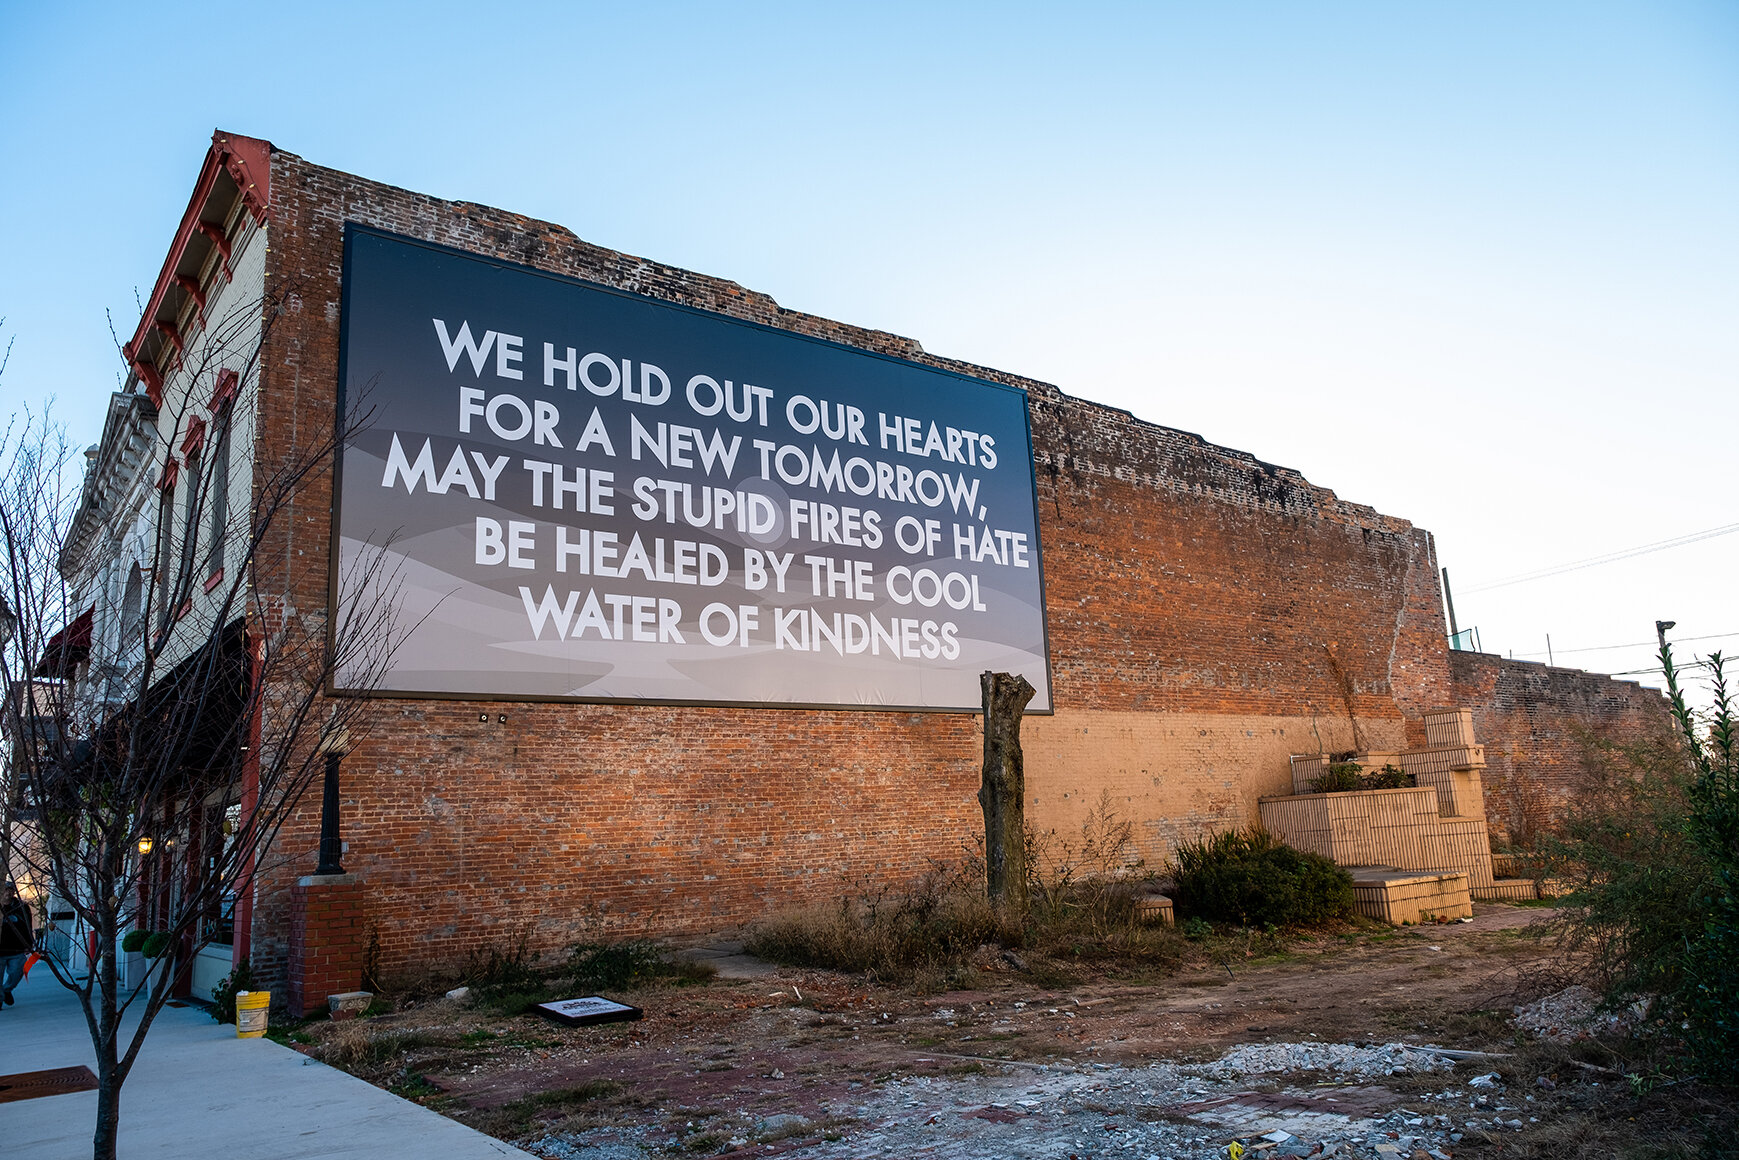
x: 353, y: 229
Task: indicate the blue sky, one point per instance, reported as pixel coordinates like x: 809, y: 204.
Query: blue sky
x: 1476, y: 265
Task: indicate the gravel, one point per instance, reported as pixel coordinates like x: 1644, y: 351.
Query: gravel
x: 1161, y: 1111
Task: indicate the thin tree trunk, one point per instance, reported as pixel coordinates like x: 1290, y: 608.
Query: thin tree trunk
x: 108, y: 1112
x: 1002, y: 793
x: 107, y: 971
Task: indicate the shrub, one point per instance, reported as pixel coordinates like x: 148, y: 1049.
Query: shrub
x: 154, y: 944
x: 1344, y: 776
x: 626, y: 965
x: 1252, y: 878
x: 1653, y: 847
x: 1389, y: 777
x: 223, y: 995
x: 1339, y: 777
x: 133, y: 940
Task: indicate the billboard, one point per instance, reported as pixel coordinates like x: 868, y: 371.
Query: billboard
x: 583, y: 493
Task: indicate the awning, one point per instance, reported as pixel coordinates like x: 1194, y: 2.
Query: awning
x: 67, y: 648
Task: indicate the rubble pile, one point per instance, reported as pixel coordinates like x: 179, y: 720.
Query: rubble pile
x: 1574, y: 1013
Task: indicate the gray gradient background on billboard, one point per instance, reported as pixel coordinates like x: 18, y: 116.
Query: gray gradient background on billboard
x: 464, y: 627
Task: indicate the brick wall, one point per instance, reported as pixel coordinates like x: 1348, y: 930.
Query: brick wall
x: 1209, y: 614
x: 327, y: 925
x: 1536, y: 723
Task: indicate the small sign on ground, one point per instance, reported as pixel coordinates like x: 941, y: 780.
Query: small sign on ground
x: 28, y: 1085
x: 592, y: 1009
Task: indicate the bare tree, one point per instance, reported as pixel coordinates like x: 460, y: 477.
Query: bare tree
x: 1002, y: 788
x: 162, y: 726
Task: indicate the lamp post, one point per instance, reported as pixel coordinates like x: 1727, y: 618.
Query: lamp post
x: 331, y: 844
x: 1660, y: 631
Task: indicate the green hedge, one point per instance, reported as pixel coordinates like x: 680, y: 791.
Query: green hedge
x: 1252, y: 878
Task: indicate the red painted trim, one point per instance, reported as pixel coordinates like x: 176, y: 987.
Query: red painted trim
x: 173, y: 333
x: 186, y: 607
x: 153, y: 381
x: 214, y: 580
x: 217, y: 238
x: 195, y: 436
x: 171, y: 472
x: 215, y: 235
x: 190, y: 287
x: 228, y: 385
x: 248, y: 161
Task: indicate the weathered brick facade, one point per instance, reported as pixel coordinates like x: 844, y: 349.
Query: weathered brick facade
x: 1537, y: 723
x: 1208, y: 615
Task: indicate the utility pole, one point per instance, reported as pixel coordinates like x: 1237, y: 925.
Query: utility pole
x: 1449, y: 599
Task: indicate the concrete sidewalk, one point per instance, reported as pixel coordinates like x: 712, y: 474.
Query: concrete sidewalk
x: 198, y: 1091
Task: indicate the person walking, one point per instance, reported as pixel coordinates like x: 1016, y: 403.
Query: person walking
x: 17, y: 939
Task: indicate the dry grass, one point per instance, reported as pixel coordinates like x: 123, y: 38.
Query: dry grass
x: 940, y: 932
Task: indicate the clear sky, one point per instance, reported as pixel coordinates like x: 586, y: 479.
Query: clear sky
x: 1475, y: 265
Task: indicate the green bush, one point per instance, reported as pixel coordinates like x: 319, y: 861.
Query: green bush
x: 1652, y: 846
x: 223, y: 995
x: 1252, y: 878
x: 1339, y: 777
x: 133, y: 940
x: 1344, y: 776
x: 1389, y: 777
x: 155, y: 944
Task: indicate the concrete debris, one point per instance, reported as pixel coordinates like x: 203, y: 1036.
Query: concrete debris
x: 1339, y: 1058
x: 1574, y: 1013
x: 1161, y: 1111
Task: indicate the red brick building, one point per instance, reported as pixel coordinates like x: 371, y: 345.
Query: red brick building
x: 1208, y: 614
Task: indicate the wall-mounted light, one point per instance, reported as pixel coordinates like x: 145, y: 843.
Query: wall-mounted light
x: 145, y: 845
x: 483, y: 717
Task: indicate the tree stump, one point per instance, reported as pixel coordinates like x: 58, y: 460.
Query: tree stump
x: 1002, y: 792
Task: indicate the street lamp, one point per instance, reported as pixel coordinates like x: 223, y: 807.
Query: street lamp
x: 335, y: 746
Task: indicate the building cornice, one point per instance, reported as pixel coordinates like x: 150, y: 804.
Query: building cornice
x: 235, y: 166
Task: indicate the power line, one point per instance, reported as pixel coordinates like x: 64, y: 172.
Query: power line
x: 1637, y: 644
x: 1609, y: 558
x: 1657, y: 670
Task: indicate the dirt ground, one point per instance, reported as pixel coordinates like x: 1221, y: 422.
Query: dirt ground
x: 799, y: 1063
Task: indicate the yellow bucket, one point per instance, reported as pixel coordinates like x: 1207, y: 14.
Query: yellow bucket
x: 251, y: 1009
